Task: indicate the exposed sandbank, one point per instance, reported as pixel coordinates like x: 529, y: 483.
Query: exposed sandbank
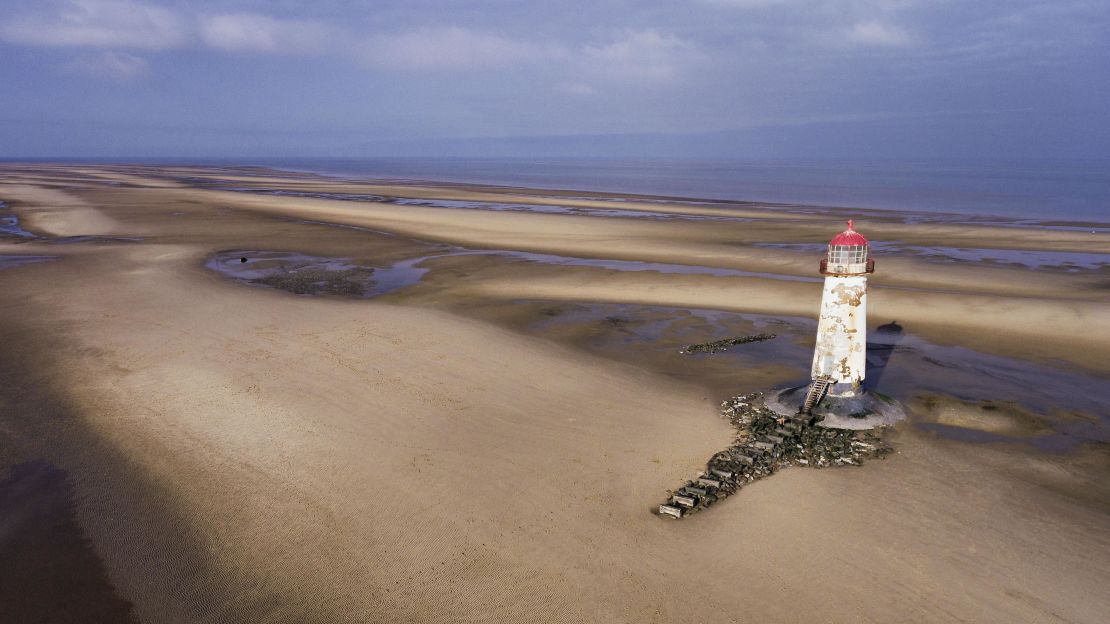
x: 246, y: 454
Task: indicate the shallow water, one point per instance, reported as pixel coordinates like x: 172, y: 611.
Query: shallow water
x: 9, y: 262
x: 1052, y: 443
x: 398, y: 275
x: 899, y: 364
x: 568, y: 210
x: 89, y: 238
x: 9, y: 224
x: 307, y: 194
x: 636, y: 265
x: 365, y: 281
x: 1092, y: 227
x: 1027, y: 258
x: 493, y: 206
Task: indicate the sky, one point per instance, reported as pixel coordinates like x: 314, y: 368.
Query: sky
x: 684, y: 78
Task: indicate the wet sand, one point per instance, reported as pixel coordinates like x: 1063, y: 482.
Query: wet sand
x: 483, y: 440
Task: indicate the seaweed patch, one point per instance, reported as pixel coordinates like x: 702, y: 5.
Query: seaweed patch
x: 717, y: 346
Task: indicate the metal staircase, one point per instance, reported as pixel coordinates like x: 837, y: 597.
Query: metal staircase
x: 816, y: 393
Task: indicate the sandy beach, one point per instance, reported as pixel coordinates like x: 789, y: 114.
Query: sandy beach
x: 485, y: 439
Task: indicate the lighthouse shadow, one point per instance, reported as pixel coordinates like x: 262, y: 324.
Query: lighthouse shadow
x: 880, y: 347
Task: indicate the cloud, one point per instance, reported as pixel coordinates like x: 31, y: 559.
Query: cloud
x: 446, y: 48
x: 261, y: 33
x: 645, y: 55
x: 119, y: 66
x: 878, y: 33
x: 98, y: 23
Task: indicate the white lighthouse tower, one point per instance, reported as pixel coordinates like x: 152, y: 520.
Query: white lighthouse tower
x: 839, y: 359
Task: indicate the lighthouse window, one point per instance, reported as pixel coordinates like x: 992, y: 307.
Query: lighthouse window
x: 847, y: 254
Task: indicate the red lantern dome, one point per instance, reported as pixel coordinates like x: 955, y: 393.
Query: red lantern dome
x: 848, y: 237
x: 849, y: 254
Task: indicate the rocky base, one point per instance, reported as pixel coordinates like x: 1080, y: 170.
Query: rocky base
x: 766, y: 442
x: 864, y: 411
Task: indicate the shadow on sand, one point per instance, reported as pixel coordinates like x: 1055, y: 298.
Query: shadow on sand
x: 880, y: 348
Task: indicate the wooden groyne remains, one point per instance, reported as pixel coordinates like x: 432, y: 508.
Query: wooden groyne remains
x: 767, y: 442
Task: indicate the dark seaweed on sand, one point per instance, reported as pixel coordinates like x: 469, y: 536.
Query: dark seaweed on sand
x: 723, y: 344
x: 311, y: 281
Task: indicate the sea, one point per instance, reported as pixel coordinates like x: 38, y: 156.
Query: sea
x: 1039, y: 190
x: 1076, y: 190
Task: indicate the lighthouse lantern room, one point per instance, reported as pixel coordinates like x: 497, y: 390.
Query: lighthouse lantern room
x: 839, y: 358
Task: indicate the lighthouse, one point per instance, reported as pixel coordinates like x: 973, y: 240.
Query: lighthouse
x: 839, y: 357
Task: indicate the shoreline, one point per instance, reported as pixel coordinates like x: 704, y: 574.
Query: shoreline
x: 1020, y: 221
x: 266, y: 171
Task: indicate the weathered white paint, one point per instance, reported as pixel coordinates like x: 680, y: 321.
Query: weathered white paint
x: 841, y: 349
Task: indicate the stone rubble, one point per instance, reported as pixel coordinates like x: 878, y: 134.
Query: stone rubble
x: 765, y: 443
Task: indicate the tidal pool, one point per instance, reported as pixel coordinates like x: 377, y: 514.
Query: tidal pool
x: 303, y: 274
x: 9, y: 224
